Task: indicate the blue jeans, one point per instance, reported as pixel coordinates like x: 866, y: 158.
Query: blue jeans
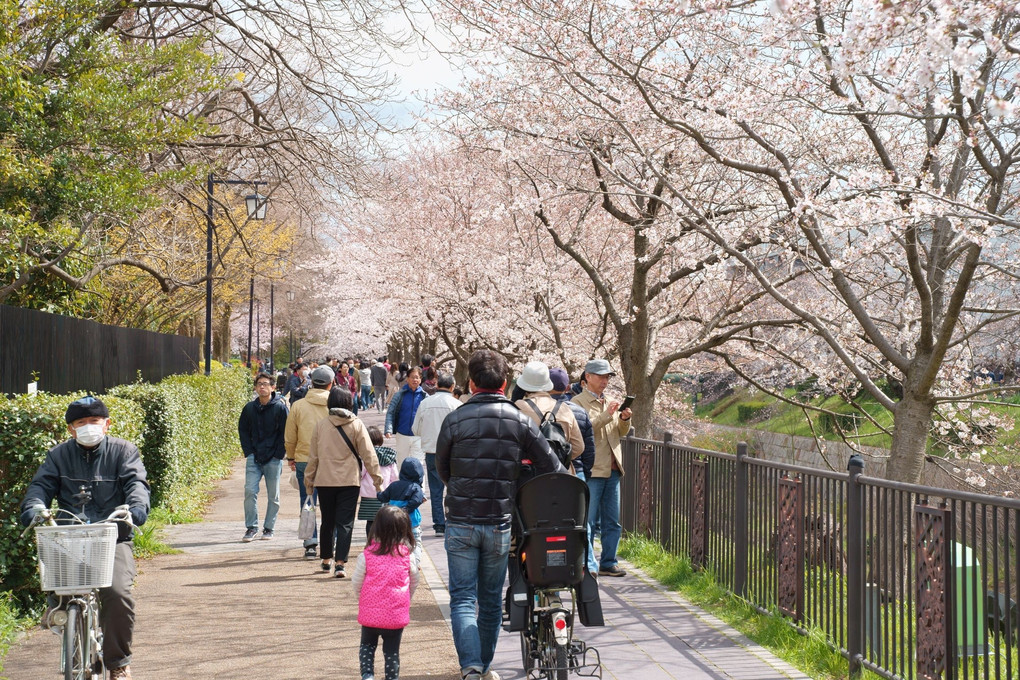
x: 435, y: 492
x: 604, y: 503
x: 300, y: 472
x: 477, y: 557
x: 253, y: 474
x: 366, y: 396
x: 593, y: 565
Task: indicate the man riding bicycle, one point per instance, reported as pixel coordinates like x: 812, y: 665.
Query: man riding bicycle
x: 90, y: 475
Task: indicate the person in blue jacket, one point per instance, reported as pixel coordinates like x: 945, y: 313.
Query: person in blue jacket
x: 408, y: 494
x: 400, y: 417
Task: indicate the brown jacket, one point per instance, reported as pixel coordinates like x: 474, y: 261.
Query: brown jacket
x: 608, y: 429
x: 564, y: 416
x: 331, y: 462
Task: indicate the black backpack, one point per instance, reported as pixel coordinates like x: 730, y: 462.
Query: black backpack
x: 553, y: 432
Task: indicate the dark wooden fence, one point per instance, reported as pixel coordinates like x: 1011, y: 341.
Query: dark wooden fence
x: 69, y: 354
x: 904, y: 580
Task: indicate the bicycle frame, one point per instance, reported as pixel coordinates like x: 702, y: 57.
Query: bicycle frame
x: 75, y: 617
x: 548, y: 647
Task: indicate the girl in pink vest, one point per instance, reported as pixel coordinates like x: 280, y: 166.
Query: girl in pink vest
x: 385, y: 577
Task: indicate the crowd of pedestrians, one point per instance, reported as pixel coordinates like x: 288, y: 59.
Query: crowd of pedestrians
x: 460, y: 449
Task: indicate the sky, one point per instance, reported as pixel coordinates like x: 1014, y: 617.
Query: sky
x: 422, y: 70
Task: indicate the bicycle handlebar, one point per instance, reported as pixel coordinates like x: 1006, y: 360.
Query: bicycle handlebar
x: 122, y: 513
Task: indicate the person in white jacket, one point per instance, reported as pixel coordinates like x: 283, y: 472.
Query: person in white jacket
x: 427, y: 421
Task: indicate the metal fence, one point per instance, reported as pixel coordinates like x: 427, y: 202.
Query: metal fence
x: 904, y: 580
x: 68, y: 354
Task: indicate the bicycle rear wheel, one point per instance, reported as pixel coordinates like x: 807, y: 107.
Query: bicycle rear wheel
x: 76, y: 646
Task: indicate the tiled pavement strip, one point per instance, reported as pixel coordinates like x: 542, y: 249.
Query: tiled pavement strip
x: 650, y: 633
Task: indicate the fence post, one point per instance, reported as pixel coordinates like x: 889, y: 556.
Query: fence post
x: 743, y: 521
x: 855, y: 567
x: 645, y: 486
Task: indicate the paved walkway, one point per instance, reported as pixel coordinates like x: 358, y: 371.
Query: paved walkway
x: 226, y: 609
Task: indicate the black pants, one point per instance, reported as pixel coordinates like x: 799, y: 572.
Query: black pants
x: 390, y: 649
x: 338, y: 505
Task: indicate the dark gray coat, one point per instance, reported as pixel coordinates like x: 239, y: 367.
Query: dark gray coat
x: 112, y: 472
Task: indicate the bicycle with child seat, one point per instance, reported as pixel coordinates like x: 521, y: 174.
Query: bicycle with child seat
x: 549, y: 585
x: 75, y: 561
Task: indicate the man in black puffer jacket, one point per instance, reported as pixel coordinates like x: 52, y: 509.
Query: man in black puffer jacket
x: 478, y: 457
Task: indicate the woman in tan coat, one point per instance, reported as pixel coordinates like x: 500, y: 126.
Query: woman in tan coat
x: 340, y: 448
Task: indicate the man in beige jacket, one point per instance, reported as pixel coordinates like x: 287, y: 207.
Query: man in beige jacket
x: 609, y: 425
x: 304, y: 415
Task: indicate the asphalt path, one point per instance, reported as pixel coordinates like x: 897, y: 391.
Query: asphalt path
x: 221, y: 608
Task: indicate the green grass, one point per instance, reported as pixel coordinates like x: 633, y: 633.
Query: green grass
x: 10, y: 625
x: 149, y: 537
x: 790, y: 419
x: 811, y: 654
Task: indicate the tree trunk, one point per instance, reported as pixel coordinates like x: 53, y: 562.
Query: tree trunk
x: 911, y: 424
x: 221, y: 336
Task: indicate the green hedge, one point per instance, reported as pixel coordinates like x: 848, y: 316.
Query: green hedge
x: 185, y: 427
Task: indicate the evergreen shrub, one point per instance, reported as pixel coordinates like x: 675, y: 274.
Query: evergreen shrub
x: 185, y: 427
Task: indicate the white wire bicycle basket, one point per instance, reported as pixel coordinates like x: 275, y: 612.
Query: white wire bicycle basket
x: 76, y: 558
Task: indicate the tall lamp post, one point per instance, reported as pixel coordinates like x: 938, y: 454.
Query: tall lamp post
x: 256, y: 205
x: 290, y: 313
x: 251, y: 305
x: 272, y: 357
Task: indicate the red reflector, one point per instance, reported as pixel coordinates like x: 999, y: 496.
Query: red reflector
x: 561, y: 623
x: 555, y: 539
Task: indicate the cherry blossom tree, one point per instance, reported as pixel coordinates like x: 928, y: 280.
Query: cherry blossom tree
x: 871, y: 146
x: 599, y: 179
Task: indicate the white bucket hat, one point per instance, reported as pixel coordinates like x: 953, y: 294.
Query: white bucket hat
x: 535, y: 378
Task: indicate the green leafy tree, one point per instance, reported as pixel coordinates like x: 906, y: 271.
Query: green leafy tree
x: 85, y: 126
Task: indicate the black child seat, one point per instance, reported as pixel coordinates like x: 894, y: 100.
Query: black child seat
x: 553, y: 511
x: 552, y: 539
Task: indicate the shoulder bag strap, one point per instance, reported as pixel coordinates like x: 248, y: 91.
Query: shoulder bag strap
x: 340, y: 429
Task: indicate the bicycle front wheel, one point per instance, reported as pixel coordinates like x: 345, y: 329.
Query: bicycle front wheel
x: 76, y: 646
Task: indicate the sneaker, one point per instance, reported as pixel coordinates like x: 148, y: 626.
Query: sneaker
x: 122, y: 673
x: 490, y: 675
x: 250, y: 535
x: 267, y: 535
x: 612, y: 571
x: 440, y: 531
x: 473, y: 676
x: 310, y: 552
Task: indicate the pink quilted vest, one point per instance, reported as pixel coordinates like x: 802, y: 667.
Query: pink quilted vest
x: 385, y: 600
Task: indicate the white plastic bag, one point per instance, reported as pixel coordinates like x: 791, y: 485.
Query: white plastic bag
x: 306, y: 525
x: 294, y: 482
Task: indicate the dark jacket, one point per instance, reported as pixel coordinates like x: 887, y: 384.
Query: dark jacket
x: 261, y: 427
x: 583, y: 462
x: 294, y: 382
x: 478, y: 457
x: 406, y: 492
x: 112, y: 472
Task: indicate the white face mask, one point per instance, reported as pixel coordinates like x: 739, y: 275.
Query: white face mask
x: 89, y: 435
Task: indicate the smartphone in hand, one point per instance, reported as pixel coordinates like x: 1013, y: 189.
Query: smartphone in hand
x: 627, y: 401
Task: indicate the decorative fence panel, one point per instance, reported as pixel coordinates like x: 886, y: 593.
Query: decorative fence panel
x: 69, y: 354
x: 905, y: 580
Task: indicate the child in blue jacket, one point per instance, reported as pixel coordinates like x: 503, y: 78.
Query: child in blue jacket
x: 407, y: 493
